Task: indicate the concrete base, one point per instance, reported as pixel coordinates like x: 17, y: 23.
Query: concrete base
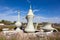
x: 18, y: 30
x: 29, y: 30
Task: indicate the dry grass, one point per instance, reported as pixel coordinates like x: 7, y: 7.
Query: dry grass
x: 30, y: 36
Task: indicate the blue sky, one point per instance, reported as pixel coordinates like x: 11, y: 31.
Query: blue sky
x: 44, y: 10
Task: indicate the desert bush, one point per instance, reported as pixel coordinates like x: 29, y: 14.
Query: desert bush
x: 58, y: 29
x: 2, y: 37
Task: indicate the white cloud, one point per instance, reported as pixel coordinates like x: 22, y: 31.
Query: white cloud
x: 28, y: 1
x: 5, y: 13
x: 46, y: 19
x: 35, y: 10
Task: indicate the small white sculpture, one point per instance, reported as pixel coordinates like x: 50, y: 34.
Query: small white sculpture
x: 29, y: 17
x: 18, y: 23
x: 49, y: 28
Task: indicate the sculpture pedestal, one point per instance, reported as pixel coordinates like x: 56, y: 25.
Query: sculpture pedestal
x: 18, y: 30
